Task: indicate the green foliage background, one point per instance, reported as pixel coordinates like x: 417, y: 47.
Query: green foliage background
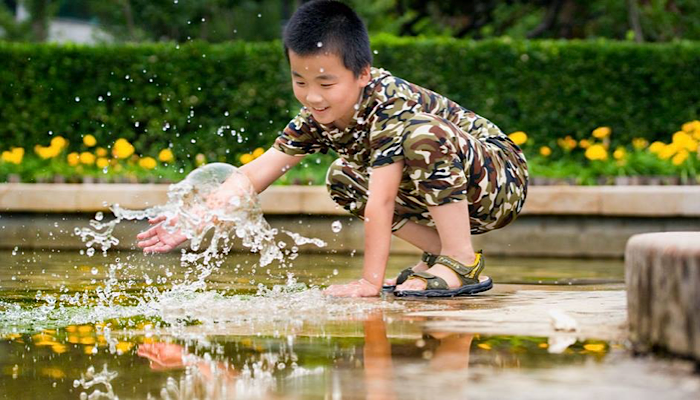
x: 157, y: 95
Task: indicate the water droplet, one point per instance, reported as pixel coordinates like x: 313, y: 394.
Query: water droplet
x: 77, y: 99
x: 335, y: 272
x: 319, y: 44
x: 259, y: 15
x: 90, y: 252
x: 99, y: 216
x: 126, y: 77
x: 336, y: 226
x: 100, y: 98
x: 94, y: 269
x: 375, y: 52
x: 225, y: 113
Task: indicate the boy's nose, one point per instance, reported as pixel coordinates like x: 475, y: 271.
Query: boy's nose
x: 313, y: 98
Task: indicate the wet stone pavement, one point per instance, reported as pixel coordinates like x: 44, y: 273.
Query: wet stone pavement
x: 549, y: 329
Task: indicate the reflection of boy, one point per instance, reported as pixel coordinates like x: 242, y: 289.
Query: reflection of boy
x: 412, y: 162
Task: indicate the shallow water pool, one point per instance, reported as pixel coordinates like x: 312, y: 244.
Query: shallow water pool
x: 74, y: 326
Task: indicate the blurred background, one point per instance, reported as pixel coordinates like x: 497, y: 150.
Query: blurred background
x: 95, y: 21
x: 596, y: 92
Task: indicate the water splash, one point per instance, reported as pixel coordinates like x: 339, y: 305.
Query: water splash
x: 90, y: 379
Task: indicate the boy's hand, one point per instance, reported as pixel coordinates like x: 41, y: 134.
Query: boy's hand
x: 361, y: 288
x: 157, y: 239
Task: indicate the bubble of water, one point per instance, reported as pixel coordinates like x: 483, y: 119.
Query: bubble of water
x: 77, y: 99
x: 94, y: 269
x: 319, y: 44
x: 99, y: 216
x: 90, y: 252
x: 336, y: 226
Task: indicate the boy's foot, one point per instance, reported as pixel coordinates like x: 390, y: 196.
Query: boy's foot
x: 422, y: 266
x: 440, y: 271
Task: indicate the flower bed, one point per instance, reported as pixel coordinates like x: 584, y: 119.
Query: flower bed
x: 589, y: 161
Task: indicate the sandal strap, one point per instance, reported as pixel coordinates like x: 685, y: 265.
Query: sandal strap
x: 403, y: 275
x: 428, y: 258
x: 431, y: 281
x: 467, y: 274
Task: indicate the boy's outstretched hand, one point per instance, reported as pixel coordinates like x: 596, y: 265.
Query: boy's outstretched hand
x: 361, y: 288
x: 157, y: 239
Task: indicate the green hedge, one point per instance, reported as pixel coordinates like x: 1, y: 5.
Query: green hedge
x: 548, y: 89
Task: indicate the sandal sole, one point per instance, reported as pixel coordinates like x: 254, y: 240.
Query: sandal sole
x: 461, y: 291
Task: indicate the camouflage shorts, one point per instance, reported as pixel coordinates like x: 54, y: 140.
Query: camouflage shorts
x: 443, y: 164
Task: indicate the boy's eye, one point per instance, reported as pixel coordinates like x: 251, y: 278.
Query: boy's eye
x: 300, y: 83
x: 327, y: 84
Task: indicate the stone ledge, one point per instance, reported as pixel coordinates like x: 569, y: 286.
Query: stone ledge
x: 633, y: 201
x: 662, y: 273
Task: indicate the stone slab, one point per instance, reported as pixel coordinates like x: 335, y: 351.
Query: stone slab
x: 662, y: 273
x: 643, y: 201
x: 599, y: 314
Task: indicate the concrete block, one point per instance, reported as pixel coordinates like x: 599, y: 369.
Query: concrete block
x: 662, y: 273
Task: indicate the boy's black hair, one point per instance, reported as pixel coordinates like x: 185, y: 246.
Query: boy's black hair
x: 325, y: 25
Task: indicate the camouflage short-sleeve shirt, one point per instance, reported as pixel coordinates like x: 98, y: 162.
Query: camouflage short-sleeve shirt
x: 374, y: 136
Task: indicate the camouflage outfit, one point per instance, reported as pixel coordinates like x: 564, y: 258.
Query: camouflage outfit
x: 449, y: 153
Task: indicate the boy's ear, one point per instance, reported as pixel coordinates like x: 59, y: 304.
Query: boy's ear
x: 365, y: 76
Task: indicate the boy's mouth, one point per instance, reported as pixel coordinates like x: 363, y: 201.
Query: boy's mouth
x: 320, y: 109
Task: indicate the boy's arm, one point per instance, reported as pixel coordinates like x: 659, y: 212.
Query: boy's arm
x: 379, y: 214
x: 267, y: 168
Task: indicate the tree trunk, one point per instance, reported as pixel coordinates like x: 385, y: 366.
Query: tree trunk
x: 635, y: 24
x: 548, y: 21
x: 129, y: 18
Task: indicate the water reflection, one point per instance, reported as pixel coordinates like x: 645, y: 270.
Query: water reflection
x: 291, y: 342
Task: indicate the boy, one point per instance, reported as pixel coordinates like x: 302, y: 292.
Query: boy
x: 412, y: 162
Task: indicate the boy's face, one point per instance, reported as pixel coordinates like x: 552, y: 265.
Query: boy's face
x: 323, y: 85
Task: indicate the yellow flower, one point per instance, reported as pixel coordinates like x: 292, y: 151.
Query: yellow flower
x: 246, y: 158
x: 46, y: 152
x: 258, y: 152
x: 101, y: 152
x: 13, y: 156
x: 680, y: 157
x: 122, y: 148
x: 89, y: 140
x: 519, y: 137
x: 59, y: 142
x: 165, y: 155
x: 568, y: 143
x: 692, y: 126
x: 147, y: 162
x: 87, y: 158
x: 200, y: 159
x: 639, y: 143
x: 668, y: 151
x: 584, y: 143
x: 657, y: 147
x: 684, y: 141
x: 619, y: 153
x: 545, y: 151
x: 602, y: 132
x: 73, y: 159
x: 596, y: 152
x: 102, y: 162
